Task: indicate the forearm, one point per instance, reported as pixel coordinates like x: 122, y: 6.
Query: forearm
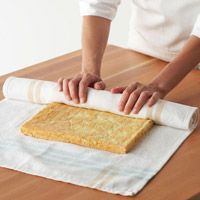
x: 95, y: 33
x: 175, y: 71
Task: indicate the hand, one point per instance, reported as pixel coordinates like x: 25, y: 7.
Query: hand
x: 136, y: 95
x: 76, y: 88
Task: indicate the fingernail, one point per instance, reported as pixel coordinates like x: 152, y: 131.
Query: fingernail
x: 68, y: 99
x: 126, y: 112
x: 120, y: 109
x: 76, y: 101
x: 134, y: 111
x: 81, y: 100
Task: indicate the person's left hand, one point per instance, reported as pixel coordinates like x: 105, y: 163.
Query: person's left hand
x: 136, y: 95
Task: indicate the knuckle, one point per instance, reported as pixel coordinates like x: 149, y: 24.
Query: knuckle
x: 137, y: 83
x: 156, y: 93
x: 83, y: 82
x: 72, y: 82
x: 60, y: 80
x: 144, y: 93
x: 66, y: 80
x: 86, y: 76
x: 132, y: 95
x: 126, y: 92
x: 135, y: 94
x: 78, y: 76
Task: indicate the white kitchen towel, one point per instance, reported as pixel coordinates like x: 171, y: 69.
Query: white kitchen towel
x: 120, y: 174
x: 163, y: 112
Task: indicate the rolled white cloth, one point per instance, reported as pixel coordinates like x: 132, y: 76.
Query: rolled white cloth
x: 43, y: 92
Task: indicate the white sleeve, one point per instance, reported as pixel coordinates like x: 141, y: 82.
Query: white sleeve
x: 102, y: 8
x: 196, y: 28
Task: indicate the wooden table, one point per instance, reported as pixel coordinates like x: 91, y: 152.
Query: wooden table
x: 179, y: 178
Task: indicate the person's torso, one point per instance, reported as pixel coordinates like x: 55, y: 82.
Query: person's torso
x: 160, y: 28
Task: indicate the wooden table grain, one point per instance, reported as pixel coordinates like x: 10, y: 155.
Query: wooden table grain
x: 178, y: 179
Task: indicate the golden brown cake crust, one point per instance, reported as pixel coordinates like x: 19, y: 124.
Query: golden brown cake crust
x: 87, y: 127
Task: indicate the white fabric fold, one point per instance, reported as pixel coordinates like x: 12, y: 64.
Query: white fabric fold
x: 163, y: 112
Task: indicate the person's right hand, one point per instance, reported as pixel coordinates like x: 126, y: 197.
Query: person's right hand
x: 76, y: 88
